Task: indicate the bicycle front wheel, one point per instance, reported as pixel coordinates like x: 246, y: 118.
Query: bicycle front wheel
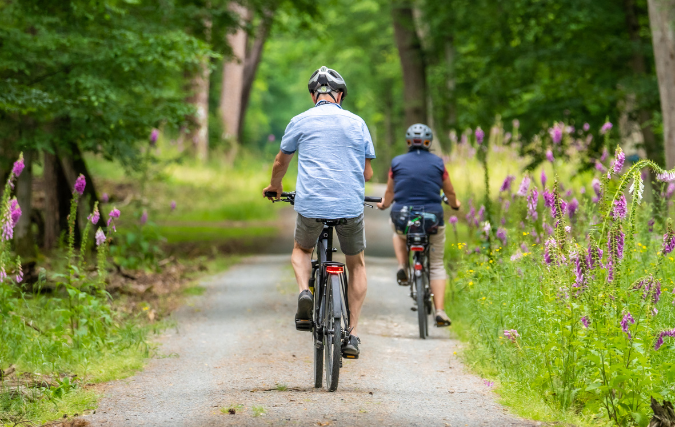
x: 333, y: 333
x: 422, y: 316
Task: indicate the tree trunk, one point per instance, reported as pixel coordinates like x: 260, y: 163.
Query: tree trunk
x: 23, y: 236
x: 199, y: 97
x: 639, y: 66
x: 412, y: 64
x: 233, y: 79
x: 251, y: 63
x: 52, y: 178
x: 661, y: 17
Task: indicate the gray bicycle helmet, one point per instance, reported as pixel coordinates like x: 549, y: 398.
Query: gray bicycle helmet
x: 419, y: 136
x: 326, y: 80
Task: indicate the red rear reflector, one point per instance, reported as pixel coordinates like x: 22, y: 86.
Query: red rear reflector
x: 418, y: 267
x: 417, y: 248
x: 334, y: 269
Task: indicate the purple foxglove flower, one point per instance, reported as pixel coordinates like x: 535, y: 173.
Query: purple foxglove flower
x: 113, y: 215
x: 18, y: 166
x: 620, y: 208
x: 480, y: 135
x: 579, y: 268
x: 94, y: 216
x: 105, y: 197
x: 605, y: 128
x: 501, y: 235
x: 481, y: 213
x: 597, y: 187
x: 556, y: 135
x: 662, y: 334
x: 550, y: 243
x: 600, y: 167
x: 605, y: 154
x: 586, y: 127
x: 511, y: 334
x: 523, y: 246
x: 153, y: 137
x: 470, y: 216
x: 670, y: 190
x: 568, y: 193
x: 620, y: 158
x: 19, y: 277
x: 453, y: 220
x: 568, y: 229
x: 666, y: 177
x: 668, y: 244
x: 594, y: 253
x: 486, y: 228
x: 503, y: 221
x: 173, y: 205
x: 100, y: 237
x: 543, y: 179
x: 650, y: 223
x: 549, y: 229
x: 524, y: 186
x: 80, y: 183
x: 3, y: 274
x: 14, y: 211
x: 584, y: 321
x: 532, y: 201
x: 627, y: 319
x: 506, y: 185
x: 583, y: 190
x: 656, y: 288
x: 549, y: 156
x: 569, y: 129
x: 144, y: 217
x: 572, y: 207
x: 507, y: 204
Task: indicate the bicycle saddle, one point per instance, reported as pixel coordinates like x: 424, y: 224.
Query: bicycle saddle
x: 332, y: 222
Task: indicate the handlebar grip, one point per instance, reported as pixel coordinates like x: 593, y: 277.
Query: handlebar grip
x: 270, y: 194
x: 372, y: 199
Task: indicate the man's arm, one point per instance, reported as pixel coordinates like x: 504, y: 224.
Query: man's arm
x: 449, y: 191
x: 368, y: 170
x: 279, y: 169
x: 388, y: 198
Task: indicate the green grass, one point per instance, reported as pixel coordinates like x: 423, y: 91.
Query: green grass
x: 180, y: 234
x: 258, y: 410
x: 194, y: 291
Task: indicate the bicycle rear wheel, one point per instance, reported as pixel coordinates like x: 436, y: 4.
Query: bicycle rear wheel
x: 317, y: 335
x: 332, y: 337
x: 422, y: 316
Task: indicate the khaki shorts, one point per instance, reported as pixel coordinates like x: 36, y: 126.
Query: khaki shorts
x: 436, y: 250
x: 352, y: 235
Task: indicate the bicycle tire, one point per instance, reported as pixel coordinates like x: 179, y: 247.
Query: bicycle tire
x: 317, y: 338
x: 333, y: 341
x: 421, y: 306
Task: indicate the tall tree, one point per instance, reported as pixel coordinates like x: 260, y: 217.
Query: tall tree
x: 233, y: 77
x: 662, y: 19
x: 412, y: 64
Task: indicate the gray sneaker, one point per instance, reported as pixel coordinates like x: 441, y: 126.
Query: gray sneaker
x: 303, y: 317
x: 350, y: 347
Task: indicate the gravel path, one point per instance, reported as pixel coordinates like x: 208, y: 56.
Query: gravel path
x: 236, y: 347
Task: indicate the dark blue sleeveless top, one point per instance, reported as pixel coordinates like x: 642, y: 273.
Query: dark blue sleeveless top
x: 418, y: 180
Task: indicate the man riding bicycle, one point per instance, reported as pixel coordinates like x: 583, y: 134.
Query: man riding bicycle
x: 334, y: 153
x: 416, y: 180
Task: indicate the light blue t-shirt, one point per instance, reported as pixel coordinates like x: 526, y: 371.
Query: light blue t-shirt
x: 333, y: 145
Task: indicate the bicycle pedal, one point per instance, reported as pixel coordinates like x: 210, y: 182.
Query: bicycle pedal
x: 303, y: 325
x: 413, y: 308
x: 349, y: 356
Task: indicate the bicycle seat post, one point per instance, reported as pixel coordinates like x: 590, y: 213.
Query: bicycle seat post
x: 327, y: 234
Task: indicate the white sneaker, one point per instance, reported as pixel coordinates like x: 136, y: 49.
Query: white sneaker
x: 442, y: 319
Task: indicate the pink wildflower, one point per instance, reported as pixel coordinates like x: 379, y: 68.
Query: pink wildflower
x: 100, y: 237
x: 549, y: 156
x: 605, y: 128
x: 144, y: 217
x: 480, y: 135
x: 511, y: 334
x: 524, y: 186
x: 80, y: 183
x: 506, y: 185
x: 173, y: 205
x: 18, y: 166
x: 620, y: 159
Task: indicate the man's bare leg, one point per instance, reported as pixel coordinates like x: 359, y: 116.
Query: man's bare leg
x: 301, y: 259
x: 358, y: 285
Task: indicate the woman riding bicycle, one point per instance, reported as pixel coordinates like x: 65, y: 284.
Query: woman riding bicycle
x: 415, y: 181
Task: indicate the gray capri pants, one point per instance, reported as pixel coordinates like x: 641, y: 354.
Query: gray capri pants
x: 436, y: 250
x: 352, y: 235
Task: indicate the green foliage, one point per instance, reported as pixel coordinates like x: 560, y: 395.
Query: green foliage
x: 99, y: 74
x: 588, y: 324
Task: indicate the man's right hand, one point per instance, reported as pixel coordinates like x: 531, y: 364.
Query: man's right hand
x: 274, y: 189
x: 459, y: 205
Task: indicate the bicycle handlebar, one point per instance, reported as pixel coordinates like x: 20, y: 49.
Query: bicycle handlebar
x: 292, y: 195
